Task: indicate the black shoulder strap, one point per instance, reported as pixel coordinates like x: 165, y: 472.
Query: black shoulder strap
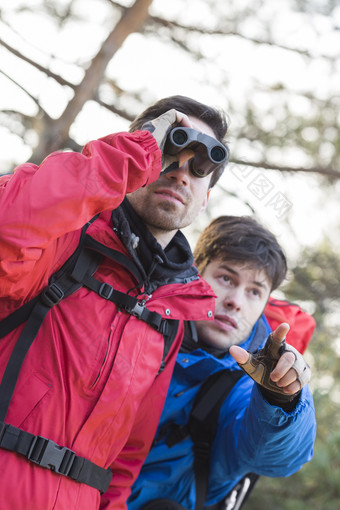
x: 77, y: 271
x: 203, y: 425
x: 34, y: 313
x: 22, y: 314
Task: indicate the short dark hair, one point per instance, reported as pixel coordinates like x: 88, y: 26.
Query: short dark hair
x: 242, y: 239
x: 214, y: 118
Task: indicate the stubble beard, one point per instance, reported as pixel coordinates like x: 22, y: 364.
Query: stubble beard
x: 164, y: 218
x: 158, y: 215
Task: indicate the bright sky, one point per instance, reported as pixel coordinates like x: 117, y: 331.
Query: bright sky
x: 224, y: 78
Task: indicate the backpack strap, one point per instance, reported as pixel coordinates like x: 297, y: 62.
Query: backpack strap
x: 203, y: 425
x: 77, y: 272
x: 203, y: 420
x: 42, y: 451
x: 50, y: 455
x: 34, y: 312
x: 115, y: 255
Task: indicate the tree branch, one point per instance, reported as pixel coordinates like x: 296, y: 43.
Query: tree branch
x: 225, y: 32
x: 324, y: 171
x: 132, y: 18
x: 34, y: 99
x: 41, y: 68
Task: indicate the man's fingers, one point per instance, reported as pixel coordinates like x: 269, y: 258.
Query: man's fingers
x: 291, y: 370
x: 293, y: 388
x: 240, y: 355
x: 289, y: 378
x: 284, y: 364
x: 278, y: 366
x: 183, y: 119
x: 280, y: 332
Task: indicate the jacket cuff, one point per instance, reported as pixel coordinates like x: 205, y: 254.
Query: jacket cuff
x: 286, y: 402
x: 147, y: 140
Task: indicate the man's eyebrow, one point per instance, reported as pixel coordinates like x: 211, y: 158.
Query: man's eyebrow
x: 231, y: 270
x: 262, y: 285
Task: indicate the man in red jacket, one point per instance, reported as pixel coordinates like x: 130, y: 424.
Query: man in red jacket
x: 86, y: 355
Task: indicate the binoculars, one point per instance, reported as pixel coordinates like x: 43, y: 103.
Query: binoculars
x: 209, y: 152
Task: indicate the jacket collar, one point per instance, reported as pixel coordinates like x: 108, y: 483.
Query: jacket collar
x: 199, y: 363
x: 158, y: 266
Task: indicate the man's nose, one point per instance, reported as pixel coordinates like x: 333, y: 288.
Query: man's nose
x: 182, y: 173
x: 233, y: 300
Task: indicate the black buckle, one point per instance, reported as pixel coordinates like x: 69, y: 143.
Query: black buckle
x: 50, y: 455
x: 52, y: 295
x: 105, y: 290
x: 202, y: 449
x: 137, y: 310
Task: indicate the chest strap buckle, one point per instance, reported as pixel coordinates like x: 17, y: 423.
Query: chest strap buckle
x: 48, y: 454
x: 137, y: 310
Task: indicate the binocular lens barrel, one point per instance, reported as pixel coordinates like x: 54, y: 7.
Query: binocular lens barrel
x: 209, y: 153
x: 180, y: 137
x: 217, y: 154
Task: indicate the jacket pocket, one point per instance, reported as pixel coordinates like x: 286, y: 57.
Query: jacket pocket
x: 26, y: 397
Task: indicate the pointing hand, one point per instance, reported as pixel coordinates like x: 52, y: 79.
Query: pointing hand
x: 278, y: 367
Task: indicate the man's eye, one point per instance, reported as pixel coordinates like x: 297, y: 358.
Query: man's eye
x: 226, y: 278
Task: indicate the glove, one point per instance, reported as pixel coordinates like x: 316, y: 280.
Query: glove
x: 260, y: 365
x: 160, y: 128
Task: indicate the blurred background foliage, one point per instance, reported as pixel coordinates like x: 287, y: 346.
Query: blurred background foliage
x: 75, y: 70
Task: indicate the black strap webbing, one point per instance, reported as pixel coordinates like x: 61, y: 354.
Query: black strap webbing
x: 75, y: 273
x: 204, y: 420
x: 130, y: 303
x: 17, y: 317
x: 203, y: 425
x: 50, y: 296
x: 50, y: 455
x: 18, y: 355
x: 61, y: 285
x: 115, y: 255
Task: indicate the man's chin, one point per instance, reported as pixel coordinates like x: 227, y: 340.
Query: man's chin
x: 226, y: 340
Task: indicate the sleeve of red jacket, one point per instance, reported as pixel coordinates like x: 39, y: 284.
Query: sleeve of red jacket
x: 40, y: 204
x: 128, y: 464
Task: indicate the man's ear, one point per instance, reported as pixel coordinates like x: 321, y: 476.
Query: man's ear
x: 205, y: 202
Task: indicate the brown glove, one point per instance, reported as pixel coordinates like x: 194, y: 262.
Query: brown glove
x: 260, y: 365
x: 160, y: 128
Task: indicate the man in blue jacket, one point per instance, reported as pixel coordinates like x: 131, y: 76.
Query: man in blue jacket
x: 267, y: 422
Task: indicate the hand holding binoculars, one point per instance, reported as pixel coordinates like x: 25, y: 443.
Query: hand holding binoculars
x: 209, y: 153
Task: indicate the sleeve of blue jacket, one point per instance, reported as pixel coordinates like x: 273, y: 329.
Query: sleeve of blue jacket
x: 262, y: 438
x: 252, y: 437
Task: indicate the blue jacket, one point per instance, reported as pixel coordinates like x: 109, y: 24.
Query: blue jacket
x: 252, y: 435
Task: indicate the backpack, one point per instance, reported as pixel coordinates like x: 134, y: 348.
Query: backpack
x: 75, y: 273
x: 203, y: 419
x: 302, y: 325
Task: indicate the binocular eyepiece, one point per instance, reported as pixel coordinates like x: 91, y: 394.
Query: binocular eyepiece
x: 209, y: 152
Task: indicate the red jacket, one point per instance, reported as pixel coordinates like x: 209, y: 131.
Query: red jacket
x: 89, y: 381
